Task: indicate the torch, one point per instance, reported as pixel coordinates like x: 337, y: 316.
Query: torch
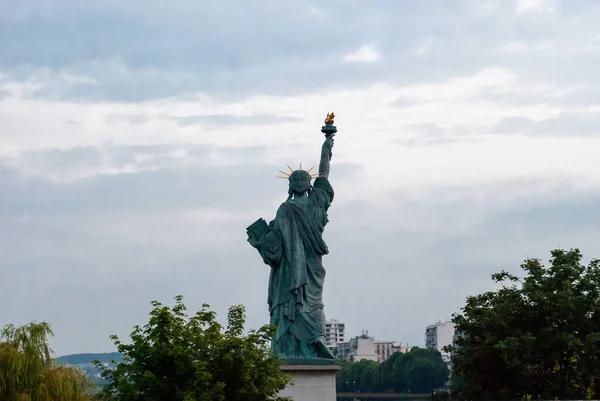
x: 329, y: 129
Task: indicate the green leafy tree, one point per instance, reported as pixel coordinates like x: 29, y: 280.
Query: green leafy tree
x: 386, y: 372
x: 181, y: 358
x: 537, y: 336
x: 355, y: 376
x: 28, y: 372
x: 418, y: 371
x: 343, y: 376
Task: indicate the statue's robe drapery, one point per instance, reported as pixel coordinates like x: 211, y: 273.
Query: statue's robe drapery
x: 294, y: 247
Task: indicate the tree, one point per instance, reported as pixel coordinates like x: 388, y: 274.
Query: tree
x: 537, y: 336
x: 418, y: 371
x: 28, y: 372
x: 386, y: 372
x: 355, y: 376
x: 183, y: 358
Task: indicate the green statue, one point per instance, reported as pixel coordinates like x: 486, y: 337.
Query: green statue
x: 292, y: 244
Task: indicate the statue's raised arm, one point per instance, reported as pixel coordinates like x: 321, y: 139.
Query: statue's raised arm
x: 329, y: 130
x: 326, y: 156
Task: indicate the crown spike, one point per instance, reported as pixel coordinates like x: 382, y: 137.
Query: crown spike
x: 287, y: 175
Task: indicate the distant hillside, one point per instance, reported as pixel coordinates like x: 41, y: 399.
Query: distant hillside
x: 80, y: 359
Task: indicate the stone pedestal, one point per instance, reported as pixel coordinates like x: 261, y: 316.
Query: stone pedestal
x: 310, y: 382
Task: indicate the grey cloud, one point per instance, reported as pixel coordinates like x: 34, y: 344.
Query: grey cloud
x: 521, y: 98
x: 197, y: 35
x: 426, y: 129
x: 437, y: 269
x: 515, y: 124
x: 585, y: 96
x: 566, y: 124
x: 281, y: 51
x: 437, y: 141
x: 291, y: 77
x: 134, y: 119
x: 63, y: 162
x: 230, y: 119
x: 574, y: 91
x: 171, y: 187
x: 433, y: 135
x: 403, y: 102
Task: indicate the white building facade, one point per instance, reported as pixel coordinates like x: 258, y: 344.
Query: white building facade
x: 357, y: 349
x: 385, y: 349
x: 439, y: 335
x: 334, y: 332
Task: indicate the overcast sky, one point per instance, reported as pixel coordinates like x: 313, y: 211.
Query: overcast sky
x: 138, y: 140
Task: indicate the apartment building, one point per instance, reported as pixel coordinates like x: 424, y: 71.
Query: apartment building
x: 439, y: 335
x: 385, y: 349
x: 358, y: 348
x: 334, y: 332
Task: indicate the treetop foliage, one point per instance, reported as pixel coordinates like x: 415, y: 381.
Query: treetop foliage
x: 418, y: 371
x: 537, y: 336
x: 28, y: 372
x: 177, y: 357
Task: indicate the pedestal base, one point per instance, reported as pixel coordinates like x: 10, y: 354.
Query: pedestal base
x: 310, y: 382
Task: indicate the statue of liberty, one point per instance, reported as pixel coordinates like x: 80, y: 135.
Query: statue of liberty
x: 292, y: 245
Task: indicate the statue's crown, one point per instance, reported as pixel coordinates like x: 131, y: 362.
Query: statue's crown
x: 287, y: 175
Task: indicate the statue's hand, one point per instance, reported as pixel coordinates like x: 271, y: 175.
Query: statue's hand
x: 256, y: 231
x: 254, y: 242
x: 328, y: 144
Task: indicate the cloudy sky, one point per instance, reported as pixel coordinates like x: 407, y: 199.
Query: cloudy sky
x: 139, y: 139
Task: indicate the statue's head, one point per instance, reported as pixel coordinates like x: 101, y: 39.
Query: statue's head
x: 299, y: 181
